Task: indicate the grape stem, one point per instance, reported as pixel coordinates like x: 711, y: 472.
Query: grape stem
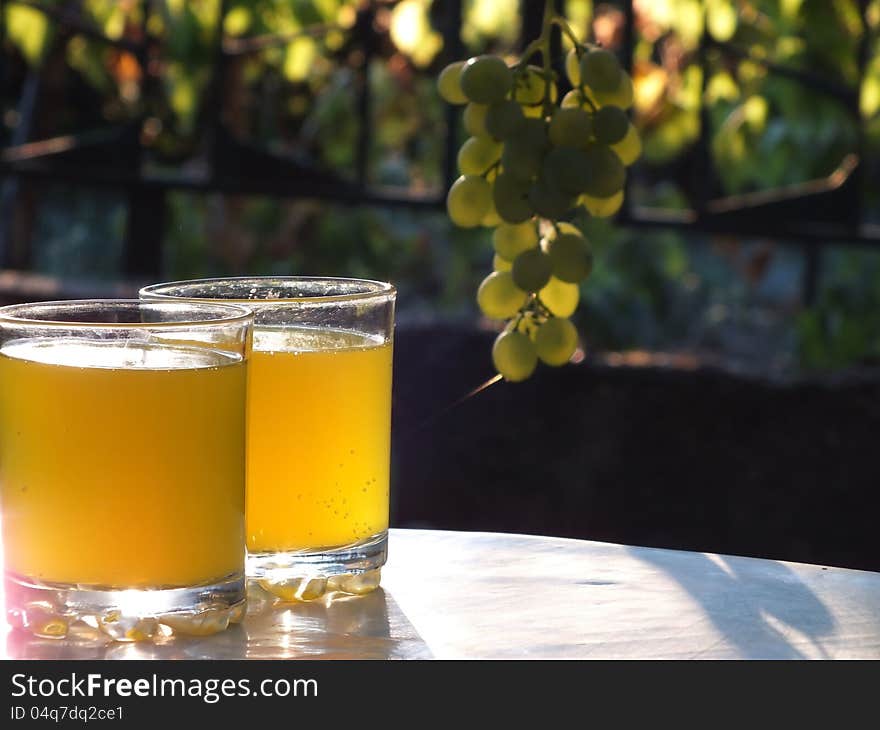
x: 491, y: 167
x: 534, y: 47
x: 586, y: 98
x: 541, y: 45
x: 513, y: 325
x: 542, y: 308
x: 546, y: 28
x: 563, y: 25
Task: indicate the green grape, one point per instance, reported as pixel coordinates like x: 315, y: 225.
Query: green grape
x: 565, y: 227
x: 486, y: 79
x: 531, y: 270
x: 468, y: 201
x: 491, y: 219
x: 514, y: 356
x: 449, y: 83
x: 630, y: 147
x: 510, y: 241
x: 607, y: 173
x: 477, y: 155
x: 533, y: 132
x: 570, y: 257
x: 524, y: 151
x: 548, y: 201
x: 529, y: 87
x: 622, y: 96
x: 474, y: 119
x: 573, y: 100
x: 600, y: 70
x: 573, y: 67
x: 510, y: 196
x: 556, y: 341
x: 498, y: 297
x: 610, y: 125
x: 560, y: 297
x: 568, y: 169
x: 503, y: 118
x: 521, y: 161
x: 602, y: 207
x: 570, y: 127
x: 500, y: 264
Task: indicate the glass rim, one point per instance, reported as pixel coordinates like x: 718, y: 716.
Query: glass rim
x: 375, y: 289
x: 228, y: 313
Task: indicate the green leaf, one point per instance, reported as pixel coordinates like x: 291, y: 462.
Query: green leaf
x: 29, y: 31
x: 721, y: 19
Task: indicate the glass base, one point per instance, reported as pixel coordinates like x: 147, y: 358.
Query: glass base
x: 54, y: 610
x: 304, y: 576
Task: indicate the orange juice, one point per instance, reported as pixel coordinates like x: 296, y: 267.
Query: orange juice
x: 319, y: 438
x: 121, y: 465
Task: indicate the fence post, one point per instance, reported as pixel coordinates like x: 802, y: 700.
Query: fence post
x: 453, y: 50
x: 144, y: 232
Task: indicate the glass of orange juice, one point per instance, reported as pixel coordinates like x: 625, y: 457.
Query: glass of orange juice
x: 122, y: 466
x: 319, y: 428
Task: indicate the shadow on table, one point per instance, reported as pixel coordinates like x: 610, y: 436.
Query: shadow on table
x: 335, y: 627
x: 744, y: 597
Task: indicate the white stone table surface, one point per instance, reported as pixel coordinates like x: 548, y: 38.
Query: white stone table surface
x: 450, y: 595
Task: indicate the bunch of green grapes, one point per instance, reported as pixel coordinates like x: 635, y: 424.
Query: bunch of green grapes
x: 531, y: 158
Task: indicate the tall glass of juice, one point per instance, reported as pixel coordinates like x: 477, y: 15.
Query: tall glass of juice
x: 319, y: 428
x: 122, y: 466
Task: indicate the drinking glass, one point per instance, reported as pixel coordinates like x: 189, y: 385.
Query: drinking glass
x: 122, y: 466
x: 319, y: 428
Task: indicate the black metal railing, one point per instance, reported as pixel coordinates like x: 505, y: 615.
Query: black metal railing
x: 813, y: 214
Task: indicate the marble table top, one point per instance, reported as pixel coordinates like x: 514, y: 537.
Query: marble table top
x: 452, y: 595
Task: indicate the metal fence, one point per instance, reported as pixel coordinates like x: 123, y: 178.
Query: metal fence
x: 812, y: 214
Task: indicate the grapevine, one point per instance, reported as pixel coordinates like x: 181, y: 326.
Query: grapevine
x: 530, y: 160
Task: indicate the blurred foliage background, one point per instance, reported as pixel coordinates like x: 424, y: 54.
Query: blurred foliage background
x: 291, y: 71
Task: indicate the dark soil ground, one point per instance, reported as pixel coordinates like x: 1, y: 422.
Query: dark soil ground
x: 698, y: 459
